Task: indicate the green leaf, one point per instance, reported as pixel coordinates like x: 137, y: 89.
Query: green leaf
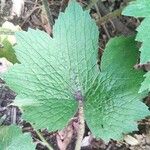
x: 146, y: 83
x: 55, y: 73
x: 7, y: 51
x: 11, y: 138
x: 113, y: 105
x: 54, y: 70
x: 140, y: 8
x: 144, y: 36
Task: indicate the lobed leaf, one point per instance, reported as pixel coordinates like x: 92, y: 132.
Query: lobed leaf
x: 55, y: 74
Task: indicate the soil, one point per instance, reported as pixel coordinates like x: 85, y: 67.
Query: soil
x: 33, y: 17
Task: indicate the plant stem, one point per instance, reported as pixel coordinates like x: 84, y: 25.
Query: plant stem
x: 92, y: 2
x: 81, y: 129
x: 48, y: 13
x: 43, y: 139
x: 112, y: 15
x: 102, y: 24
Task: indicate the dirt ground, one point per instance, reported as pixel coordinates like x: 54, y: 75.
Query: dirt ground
x: 33, y: 16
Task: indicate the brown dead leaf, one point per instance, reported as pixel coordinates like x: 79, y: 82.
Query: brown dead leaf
x: 45, y: 22
x: 87, y: 140
x: 145, y: 67
x: 131, y: 140
x: 65, y: 136
x: 4, y: 65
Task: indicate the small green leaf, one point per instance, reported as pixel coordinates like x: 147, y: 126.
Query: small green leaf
x: 140, y: 8
x: 7, y: 51
x: 144, y: 36
x: 11, y: 138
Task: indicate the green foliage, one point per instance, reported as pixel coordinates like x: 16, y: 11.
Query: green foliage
x: 11, y: 138
x: 53, y: 70
x: 140, y: 8
x: 7, y: 51
x: 55, y: 73
x: 113, y: 105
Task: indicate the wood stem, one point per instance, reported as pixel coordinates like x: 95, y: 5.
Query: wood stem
x: 43, y: 140
x: 48, y: 13
x: 81, y: 129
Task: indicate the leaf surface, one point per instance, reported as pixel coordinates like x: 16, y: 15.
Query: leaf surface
x: 11, y: 138
x: 113, y: 105
x: 8, y: 52
x: 140, y: 8
x: 55, y: 73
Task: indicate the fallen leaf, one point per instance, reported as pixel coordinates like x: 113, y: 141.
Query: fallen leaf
x: 13, y: 28
x: 65, y: 136
x: 87, y: 140
x: 131, y: 140
x: 2, y: 5
x: 17, y: 7
x: 45, y: 22
x: 4, y: 65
